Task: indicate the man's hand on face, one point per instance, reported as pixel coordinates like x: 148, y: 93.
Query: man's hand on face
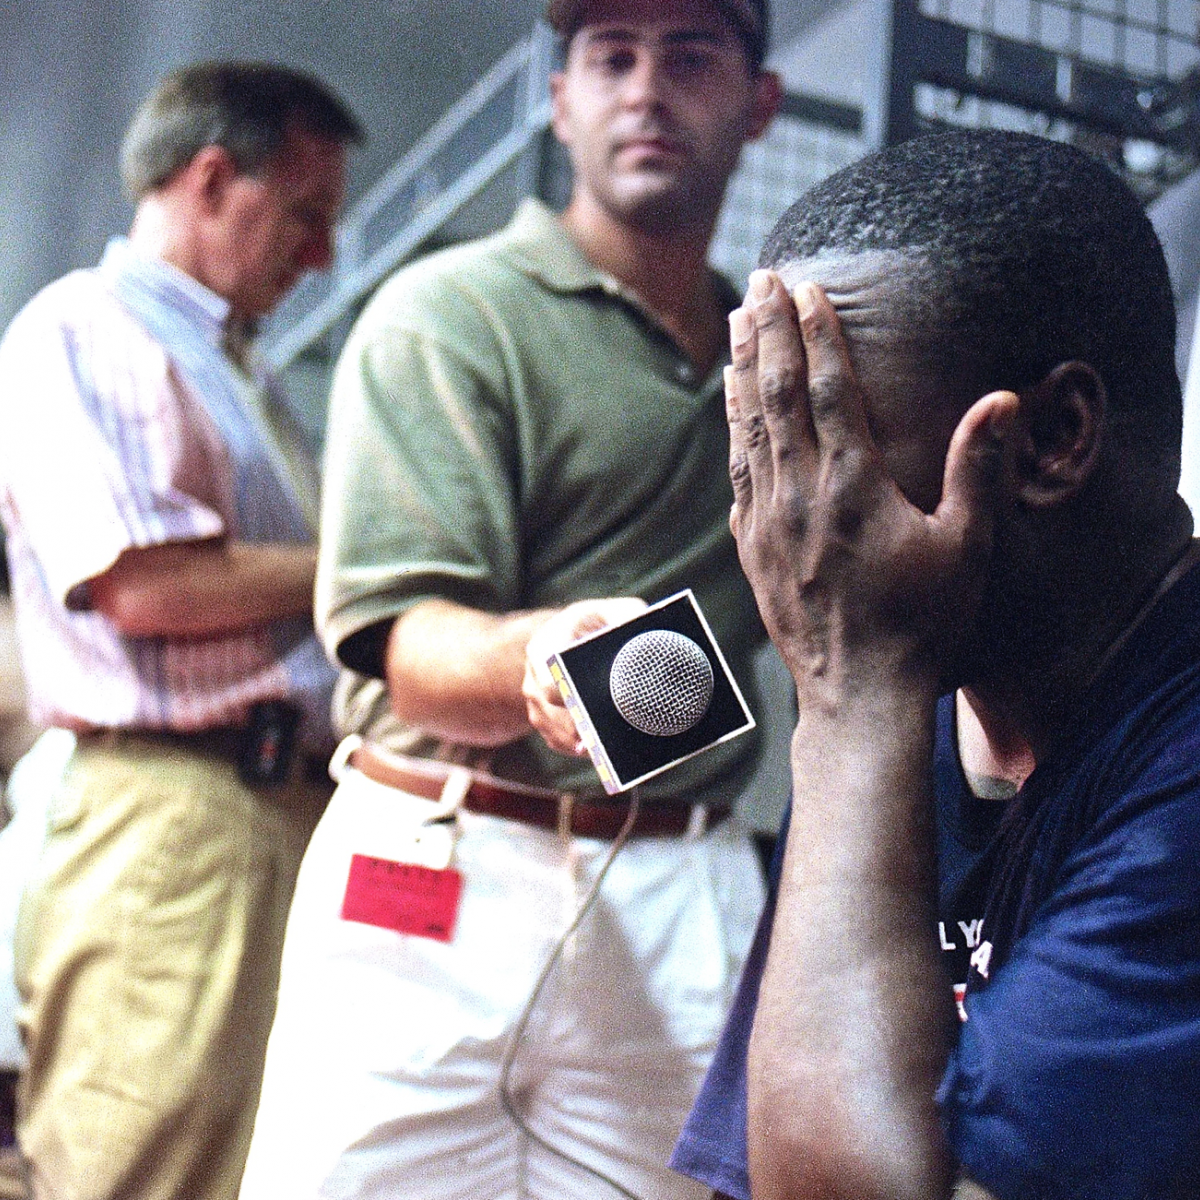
x: 851, y: 578
x: 547, y: 712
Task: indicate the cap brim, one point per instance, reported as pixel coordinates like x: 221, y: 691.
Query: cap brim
x: 566, y: 16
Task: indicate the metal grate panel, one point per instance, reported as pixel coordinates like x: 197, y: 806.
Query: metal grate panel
x: 796, y: 152
x: 1120, y: 78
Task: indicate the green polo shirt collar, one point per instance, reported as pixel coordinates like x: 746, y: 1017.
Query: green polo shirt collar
x: 540, y: 246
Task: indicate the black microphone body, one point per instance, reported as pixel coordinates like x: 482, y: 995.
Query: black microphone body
x: 650, y: 692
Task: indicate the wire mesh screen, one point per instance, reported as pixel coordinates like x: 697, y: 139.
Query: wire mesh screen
x: 1120, y: 78
x: 793, y: 155
x: 1138, y: 37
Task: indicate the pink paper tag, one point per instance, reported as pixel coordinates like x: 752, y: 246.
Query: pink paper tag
x: 402, y: 896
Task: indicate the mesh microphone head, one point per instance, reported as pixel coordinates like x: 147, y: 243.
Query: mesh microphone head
x: 661, y: 682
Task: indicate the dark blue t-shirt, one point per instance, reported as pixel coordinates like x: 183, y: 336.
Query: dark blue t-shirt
x: 1077, y: 906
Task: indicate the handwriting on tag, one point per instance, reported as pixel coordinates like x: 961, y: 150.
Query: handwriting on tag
x: 405, y: 897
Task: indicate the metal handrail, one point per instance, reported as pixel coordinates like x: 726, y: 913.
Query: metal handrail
x: 316, y: 307
x: 429, y: 192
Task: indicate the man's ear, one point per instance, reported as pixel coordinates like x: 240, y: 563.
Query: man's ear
x: 768, y: 96
x: 558, y: 111
x: 207, y: 177
x: 1057, y: 434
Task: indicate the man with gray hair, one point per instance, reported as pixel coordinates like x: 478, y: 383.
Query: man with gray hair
x: 164, y: 618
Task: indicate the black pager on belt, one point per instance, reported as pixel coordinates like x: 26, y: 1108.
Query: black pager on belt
x: 269, y: 743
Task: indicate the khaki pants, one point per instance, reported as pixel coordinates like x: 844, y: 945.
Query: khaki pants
x: 12, y: 1176
x: 147, y: 957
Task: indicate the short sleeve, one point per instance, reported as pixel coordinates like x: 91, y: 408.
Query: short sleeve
x: 103, y: 448
x: 420, y: 470
x: 1076, y: 1071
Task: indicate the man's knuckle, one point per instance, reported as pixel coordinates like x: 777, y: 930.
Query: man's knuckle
x: 755, y: 431
x: 812, y: 323
x: 777, y: 388
x: 846, y: 493
x: 767, y: 317
x: 848, y: 521
x: 795, y: 510
x: 826, y: 392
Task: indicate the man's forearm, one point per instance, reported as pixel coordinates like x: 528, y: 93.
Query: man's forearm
x: 205, y: 589
x: 457, y: 672
x: 854, y: 1017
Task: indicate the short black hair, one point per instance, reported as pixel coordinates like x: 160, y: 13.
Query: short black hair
x: 245, y: 107
x: 1034, y: 254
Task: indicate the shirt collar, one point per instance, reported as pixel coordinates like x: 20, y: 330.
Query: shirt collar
x: 542, y: 248
x: 173, y: 288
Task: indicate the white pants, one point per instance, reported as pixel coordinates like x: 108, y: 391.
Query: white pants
x: 383, y: 1065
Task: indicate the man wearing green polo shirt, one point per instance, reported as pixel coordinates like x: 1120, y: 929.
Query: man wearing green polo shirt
x: 527, y: 441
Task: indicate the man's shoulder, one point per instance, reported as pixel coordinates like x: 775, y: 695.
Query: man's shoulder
x: 492, y: 279
x: 485, y: 269
x: 75, y: 302
x: 75, y: 334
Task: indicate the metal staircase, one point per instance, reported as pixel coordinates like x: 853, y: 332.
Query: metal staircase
x: 494, y: 127
x: 1120, y: 77
x: 494, y: 146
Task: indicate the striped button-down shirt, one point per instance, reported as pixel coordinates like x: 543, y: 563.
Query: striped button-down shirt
x: 125, y: 425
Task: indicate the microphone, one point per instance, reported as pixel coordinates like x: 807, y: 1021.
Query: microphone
x: 650, y: 692
x: 661, y: 682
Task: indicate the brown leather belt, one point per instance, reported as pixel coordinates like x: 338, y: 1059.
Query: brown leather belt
x: 537, y: 806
